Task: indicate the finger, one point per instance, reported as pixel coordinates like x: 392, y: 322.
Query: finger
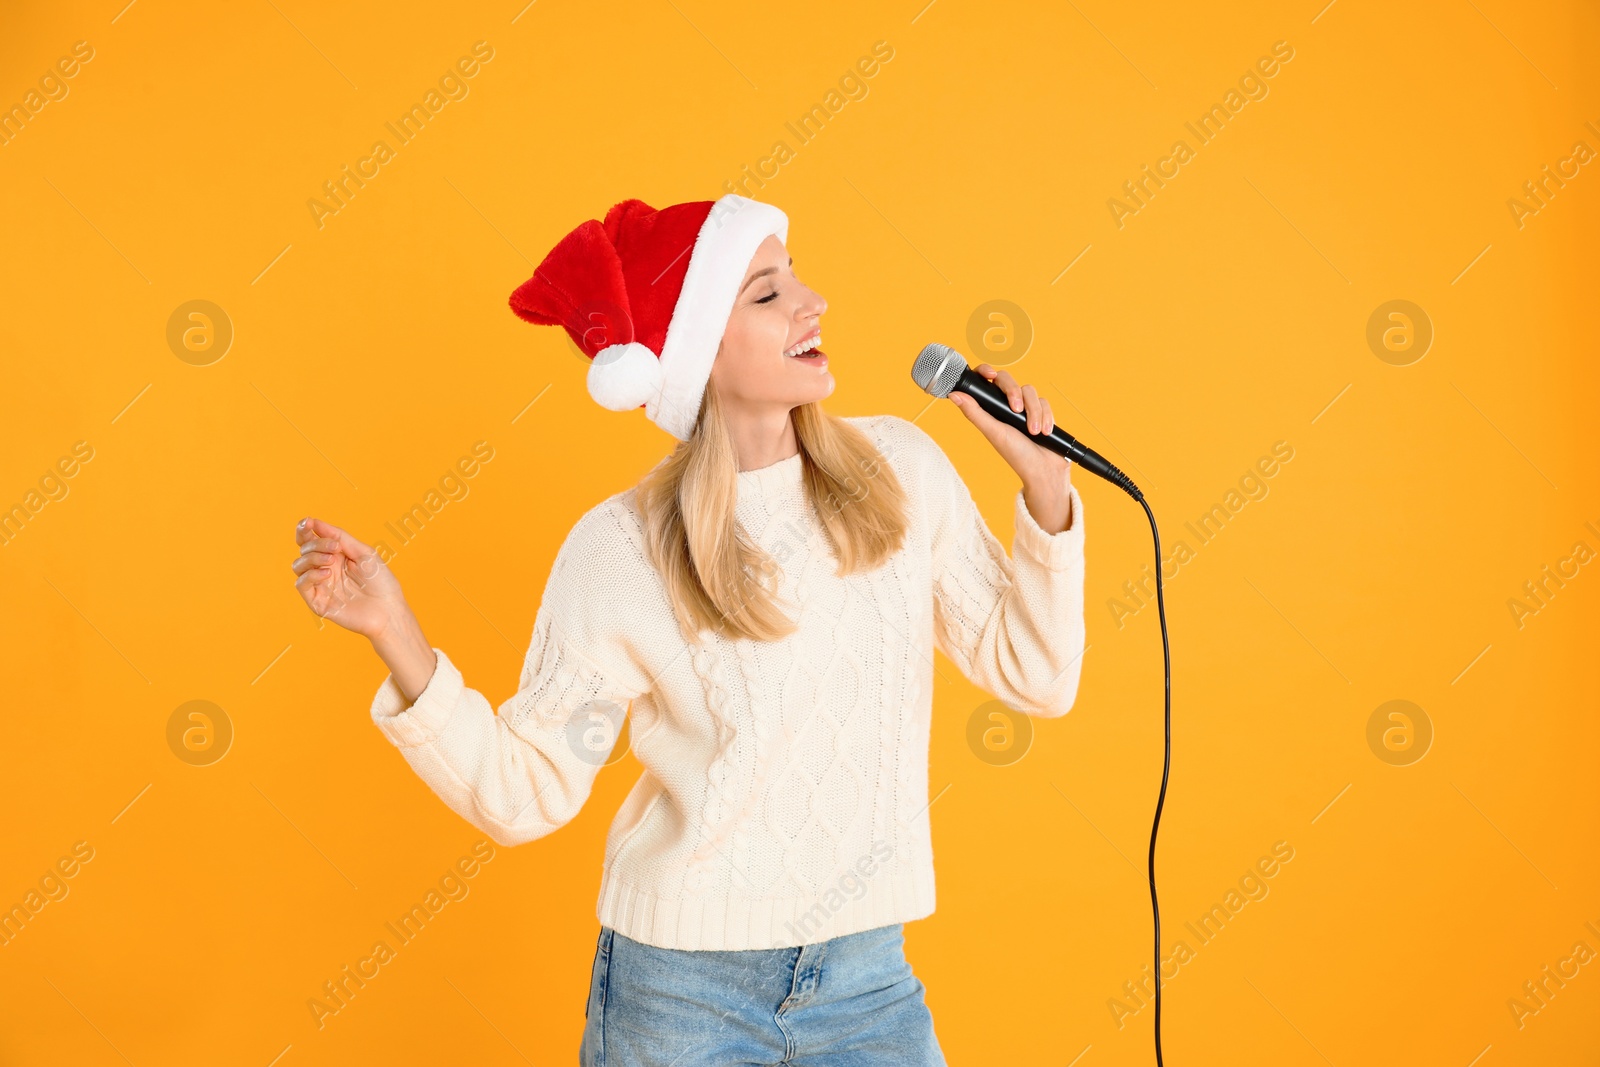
x: 991, y: 427
x: 320, y: 544
x: 1013, y: 391
x: 364, y: 559
x: 312, y: 561
x: 1030, y: 401
x: 315, y: 527
x: 352, y: 546
x: 346, y: 541
x: 308, y: 582
x: 971, y: 409
x: 1048, y: 415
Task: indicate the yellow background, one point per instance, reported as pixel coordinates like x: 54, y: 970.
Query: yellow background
x: 1228, y: 314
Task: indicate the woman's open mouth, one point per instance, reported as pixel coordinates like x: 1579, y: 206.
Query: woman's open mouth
x: 809, y: 350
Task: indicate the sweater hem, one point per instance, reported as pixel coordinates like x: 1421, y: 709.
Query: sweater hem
x: 732, y: 922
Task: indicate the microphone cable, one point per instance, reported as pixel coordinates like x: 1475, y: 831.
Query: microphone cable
x: 1122, y: 481
x: 1166, y: 763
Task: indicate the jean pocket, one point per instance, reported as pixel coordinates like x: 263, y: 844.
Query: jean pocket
x: 592, y: 1050
x: 599, y: 973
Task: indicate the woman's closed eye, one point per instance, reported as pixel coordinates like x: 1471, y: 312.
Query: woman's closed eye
x: 769, y: 296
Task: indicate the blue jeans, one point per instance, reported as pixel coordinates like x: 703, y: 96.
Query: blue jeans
x: 851, y: 1001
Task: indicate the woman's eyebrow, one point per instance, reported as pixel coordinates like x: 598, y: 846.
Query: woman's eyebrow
x: 759, y: 273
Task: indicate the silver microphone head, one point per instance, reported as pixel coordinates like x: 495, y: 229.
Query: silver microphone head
x: 937, y: 369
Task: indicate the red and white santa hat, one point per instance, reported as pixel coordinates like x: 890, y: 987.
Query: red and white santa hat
x: 646, y: 295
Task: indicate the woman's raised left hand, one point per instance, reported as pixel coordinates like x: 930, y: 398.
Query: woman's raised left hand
x: 1045, y: 475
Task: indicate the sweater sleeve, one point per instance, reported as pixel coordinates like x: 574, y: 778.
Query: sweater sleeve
x: 525, y: 770
x: 1013, y: 625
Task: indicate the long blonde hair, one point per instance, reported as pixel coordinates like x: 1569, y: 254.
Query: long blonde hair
x: 716, y: 576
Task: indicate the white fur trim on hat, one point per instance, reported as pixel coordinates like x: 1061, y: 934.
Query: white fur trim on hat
x: 621, y: 377
x: 727, y: 241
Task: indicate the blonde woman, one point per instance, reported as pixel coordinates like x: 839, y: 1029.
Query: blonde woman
x: 765, y: 604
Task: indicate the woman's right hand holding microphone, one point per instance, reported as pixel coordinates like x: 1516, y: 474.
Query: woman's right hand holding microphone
x: 342, y: 579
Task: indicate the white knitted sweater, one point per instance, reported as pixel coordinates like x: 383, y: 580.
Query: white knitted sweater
x: 784, y: 798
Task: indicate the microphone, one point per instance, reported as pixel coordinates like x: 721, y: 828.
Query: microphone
x: 940, y: 370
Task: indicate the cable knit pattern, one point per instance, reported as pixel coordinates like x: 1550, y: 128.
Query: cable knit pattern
x: 785, y: 797
x: 761, y: 734
x: 708, y: 665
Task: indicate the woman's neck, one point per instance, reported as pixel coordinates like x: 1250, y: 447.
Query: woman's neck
x: 762, y: 440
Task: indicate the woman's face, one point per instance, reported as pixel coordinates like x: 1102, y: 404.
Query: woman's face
x: 774, y: 314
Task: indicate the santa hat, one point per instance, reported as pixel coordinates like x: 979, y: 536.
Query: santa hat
x: 646, y: 295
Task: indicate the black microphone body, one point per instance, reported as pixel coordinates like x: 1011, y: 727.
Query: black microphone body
x: 941, y: 370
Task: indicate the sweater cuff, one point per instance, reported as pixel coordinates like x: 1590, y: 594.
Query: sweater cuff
x: 1056, y: 551
x: 425, y: 719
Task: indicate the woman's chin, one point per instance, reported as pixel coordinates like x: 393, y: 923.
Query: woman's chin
x: 820, y: 387
x: 811, y: 392
x: 811, y: 377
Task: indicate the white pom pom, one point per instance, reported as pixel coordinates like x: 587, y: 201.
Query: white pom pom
x: 621, y: 377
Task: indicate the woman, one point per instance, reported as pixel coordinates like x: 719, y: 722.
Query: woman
x: 764, y: 603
